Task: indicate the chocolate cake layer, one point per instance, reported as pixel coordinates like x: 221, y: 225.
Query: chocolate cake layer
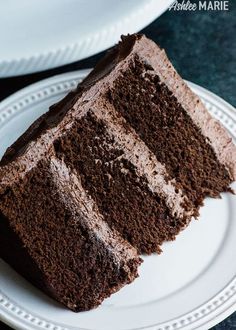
x: 124, y: 160
x: 73, y: 255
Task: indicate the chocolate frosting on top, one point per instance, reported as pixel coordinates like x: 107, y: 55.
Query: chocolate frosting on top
x: 110, y: 60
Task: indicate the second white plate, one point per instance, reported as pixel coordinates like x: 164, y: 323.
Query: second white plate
x: 44, y: 34
x: 191, y: 285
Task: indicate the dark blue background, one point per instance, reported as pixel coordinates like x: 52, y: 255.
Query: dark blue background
x: 202, y: 46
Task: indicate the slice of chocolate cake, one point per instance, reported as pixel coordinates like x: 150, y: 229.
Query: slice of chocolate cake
x: 119, y: 166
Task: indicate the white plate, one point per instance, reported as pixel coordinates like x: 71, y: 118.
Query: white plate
x: 191, y: 285
x: 41, y: 34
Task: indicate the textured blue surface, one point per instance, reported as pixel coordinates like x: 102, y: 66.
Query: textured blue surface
x: 202, y: 46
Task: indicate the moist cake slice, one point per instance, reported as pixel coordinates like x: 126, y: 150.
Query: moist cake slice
x: 116, y: 168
